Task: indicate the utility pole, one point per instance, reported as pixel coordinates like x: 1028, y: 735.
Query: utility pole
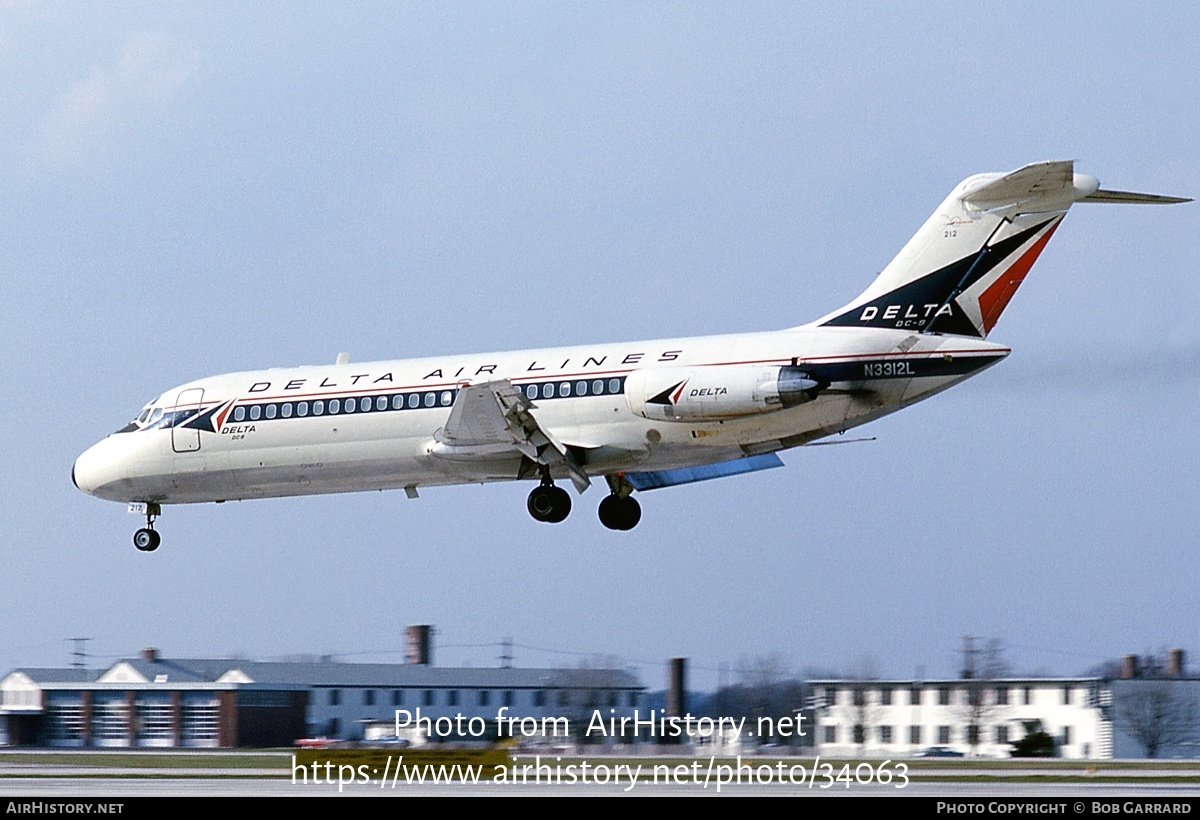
x: 79, y: 654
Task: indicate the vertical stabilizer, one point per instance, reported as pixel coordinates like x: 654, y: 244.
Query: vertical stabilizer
x: 958, y: 273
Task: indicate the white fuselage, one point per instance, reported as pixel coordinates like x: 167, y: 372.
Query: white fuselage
x: 275, y: 432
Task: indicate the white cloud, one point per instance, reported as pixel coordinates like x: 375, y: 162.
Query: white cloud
x: 116, y: 98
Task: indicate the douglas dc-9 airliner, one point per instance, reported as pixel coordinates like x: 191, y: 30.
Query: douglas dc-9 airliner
x: 640, y: 415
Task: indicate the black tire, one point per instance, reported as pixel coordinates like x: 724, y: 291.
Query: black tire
x: 549, y: 503
x: 618, y: 513
x: 562, y: 505
x: 146, y: 539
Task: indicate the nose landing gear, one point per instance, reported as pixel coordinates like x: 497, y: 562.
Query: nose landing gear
x: 147, y: 538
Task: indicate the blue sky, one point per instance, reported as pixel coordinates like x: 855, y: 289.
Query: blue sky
x: 210, y: 187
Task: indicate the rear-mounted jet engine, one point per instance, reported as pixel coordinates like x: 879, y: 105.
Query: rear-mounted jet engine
x: 718, y: 392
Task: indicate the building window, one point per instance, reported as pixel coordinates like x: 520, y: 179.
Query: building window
x: 1066, y: 695
x: 452, y: 697
x: 944, y: 695
x: 973, y: 696
x: 1002, y: 695
x: 885, y: 734
x: 860, y: 697
x: 1002, y: 734
x: 1028, y: 695
x: 633, y: 699
x: 914, y: 696
x: 335, y: 697
x: 1066, y: 736
x: 508, y: 697
x: 539, y: 697
x: 429, y: 697
x: 885, y: 696
x: 831, y: 734
x: 914, y: 735
x: 368, y: 697
x: 973, y: 735
x: 484, y: 697
x: 943, y: 735
x: 860, y: 733
x: 832, y: 694
x: 397, y: 697
x: 335, y: 726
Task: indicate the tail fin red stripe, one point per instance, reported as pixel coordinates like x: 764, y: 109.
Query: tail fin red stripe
x: 994, y: 300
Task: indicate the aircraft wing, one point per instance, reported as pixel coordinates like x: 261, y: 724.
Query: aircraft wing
x: 495, y: 418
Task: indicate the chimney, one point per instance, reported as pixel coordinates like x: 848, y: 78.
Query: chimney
x: 1129, y: 666
x: 1175, y: 663
x: 420, y: 650
x: 677, y: 687
x: 150, y: 654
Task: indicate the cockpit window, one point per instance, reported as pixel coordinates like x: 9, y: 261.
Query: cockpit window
x: 152, y: 416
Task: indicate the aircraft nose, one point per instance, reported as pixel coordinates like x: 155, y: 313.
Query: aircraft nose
x: 97, y: 468
x: 84, y: 472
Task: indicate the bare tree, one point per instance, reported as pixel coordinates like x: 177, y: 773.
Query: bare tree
x: 982, y: 700
x: 1157, y: 713
x: 863, y: 709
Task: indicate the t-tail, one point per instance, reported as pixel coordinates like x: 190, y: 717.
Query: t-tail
x: 958, y: 273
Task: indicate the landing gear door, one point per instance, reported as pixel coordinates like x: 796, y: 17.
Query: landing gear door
x: 187, y: 439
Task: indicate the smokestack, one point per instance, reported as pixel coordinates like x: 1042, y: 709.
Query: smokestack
x: 420, y: 650
x: 150, y: 654
x: 1175, y: 663
x: 1129, y: 666
x: 677, y: 687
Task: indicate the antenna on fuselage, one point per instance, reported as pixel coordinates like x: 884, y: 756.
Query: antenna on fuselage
x: 343, y: 358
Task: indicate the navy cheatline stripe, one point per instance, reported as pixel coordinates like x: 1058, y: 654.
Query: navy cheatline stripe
x: 687, y: 475
x: 919, y: 300
x: 911, y: 367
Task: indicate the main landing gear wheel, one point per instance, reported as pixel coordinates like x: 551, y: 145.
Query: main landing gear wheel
x: 146, y: 539
x: 620, y: 513
x: 549, y: 503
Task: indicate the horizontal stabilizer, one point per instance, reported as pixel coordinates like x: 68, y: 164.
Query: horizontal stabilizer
x: 1132, y: 198
x: 688, y: 475
x: 1044, y: 184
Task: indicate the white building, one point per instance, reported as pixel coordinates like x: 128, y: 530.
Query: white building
x: 1089, y: 718
x: 152, y: 701
x: 900, y: 718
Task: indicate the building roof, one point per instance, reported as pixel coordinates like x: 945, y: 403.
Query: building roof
x: 288, y: 674
x: 58, y: 675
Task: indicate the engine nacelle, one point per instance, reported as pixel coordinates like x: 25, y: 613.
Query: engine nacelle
x: 718, y: 392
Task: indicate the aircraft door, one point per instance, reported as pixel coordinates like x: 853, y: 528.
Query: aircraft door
x: 187, y: 439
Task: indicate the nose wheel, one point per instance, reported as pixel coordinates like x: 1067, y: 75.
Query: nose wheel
x: 147, y: 538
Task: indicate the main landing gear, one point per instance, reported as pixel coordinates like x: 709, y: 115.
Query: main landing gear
x: 147, y: 539
x: 547, y: 502
x: 620, y: 510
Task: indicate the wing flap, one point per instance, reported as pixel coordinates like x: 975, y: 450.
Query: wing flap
x: 495, y: 418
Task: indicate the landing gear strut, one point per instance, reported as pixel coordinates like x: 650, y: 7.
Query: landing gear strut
x: 620, y: 511
x: 547, y: 502
x: 147, y: 539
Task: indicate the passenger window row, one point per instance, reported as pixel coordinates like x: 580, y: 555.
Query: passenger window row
x: 413, y: 401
